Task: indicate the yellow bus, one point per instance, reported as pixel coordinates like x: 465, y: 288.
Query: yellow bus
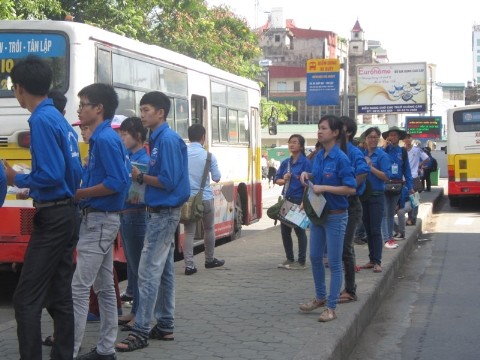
x: 79, y: 54
x: 463, y: 153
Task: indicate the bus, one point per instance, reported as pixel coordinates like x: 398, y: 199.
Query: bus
x: 80, y: 54
x: 463, y: 153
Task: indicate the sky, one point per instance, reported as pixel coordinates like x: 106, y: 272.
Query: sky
x: 429, y: 31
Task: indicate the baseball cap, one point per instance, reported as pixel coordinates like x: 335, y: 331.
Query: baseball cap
x: 117, y: 121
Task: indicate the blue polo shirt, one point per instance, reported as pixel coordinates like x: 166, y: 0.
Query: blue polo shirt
x: 140, y: 157
x: 56, y: 166
x: 169, y: 164
x: 360, y: 166
x: 197, y: 156
x: 108, y: 165
x: 295, y: 188
x: 3, y: 185
x: 381, y: 161
x: 400, y: 169
x: 334, y: 170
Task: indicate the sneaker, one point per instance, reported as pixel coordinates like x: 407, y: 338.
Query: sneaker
x: 125, y: 297
x: 391, y: 244
x: 312, y: 304
x: 297, y: 266
x: 360, y: 241
x: 399, y: 236
x: 190, y: 270
x: 214, y: 263
x: 91, y: 317
x: 286, y: 264
x: 93, y: 355
x: 327, y: 315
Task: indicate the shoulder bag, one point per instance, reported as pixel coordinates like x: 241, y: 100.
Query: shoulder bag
x: 192, y: 210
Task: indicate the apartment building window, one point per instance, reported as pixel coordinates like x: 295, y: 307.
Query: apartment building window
x: 296, y: 86
x: 277, y: 38
x: 281, y: 86
x: 453, y: 95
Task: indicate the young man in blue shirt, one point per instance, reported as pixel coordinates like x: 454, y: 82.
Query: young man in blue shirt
x: 54, y: 179
x: 168, y: 187
x: 101, y: 197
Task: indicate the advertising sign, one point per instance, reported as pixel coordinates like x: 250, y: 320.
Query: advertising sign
x: 323, y: 82
x: 424, y: 127
x: 392, y: 88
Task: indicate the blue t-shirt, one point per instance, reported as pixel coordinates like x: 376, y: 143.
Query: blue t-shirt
x: 169, y: 164
x: 3, y: 184
x: 295, y: 188
x: 197, y: 156
x: 360, y: 166
x: 381, y: 161
x: 400, y: 166
x: 335, y: 170
x: 108, y: 164
x: 56, y: 166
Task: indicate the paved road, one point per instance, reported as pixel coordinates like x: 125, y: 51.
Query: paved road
x: 248, y: 309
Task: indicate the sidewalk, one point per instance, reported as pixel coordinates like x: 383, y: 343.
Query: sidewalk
x: 248, y: 309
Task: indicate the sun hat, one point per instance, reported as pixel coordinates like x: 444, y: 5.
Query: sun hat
x: 402, y: 133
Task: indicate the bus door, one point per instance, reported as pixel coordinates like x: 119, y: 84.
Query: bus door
x: 255, y: 170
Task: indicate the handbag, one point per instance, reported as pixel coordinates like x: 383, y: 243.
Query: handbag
x: 418, y: 184
x: 192, y: 209
x: 274, y: 210
x: 393, y: 187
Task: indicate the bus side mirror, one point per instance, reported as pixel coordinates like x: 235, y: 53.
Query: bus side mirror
x: 272, y: 125
x: 444, y: 148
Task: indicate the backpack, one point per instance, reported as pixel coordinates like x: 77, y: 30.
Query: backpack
x: 434, y: 165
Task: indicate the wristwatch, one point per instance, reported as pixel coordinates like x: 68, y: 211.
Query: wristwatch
x: 140, y: 178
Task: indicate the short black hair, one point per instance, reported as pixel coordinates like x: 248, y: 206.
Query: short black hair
x: 59, y: 100
x: 133, y: 125
x: 350, y: 126
x: 158, y: 100
x: 104, y: 94
x: 33, y: 74
x: 195, y: 132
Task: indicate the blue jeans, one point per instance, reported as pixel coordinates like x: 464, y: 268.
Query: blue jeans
x: 288, y: 242
x: 133, y: 224
x: 330, y: 234
x: 373, y: 209
x: 156, y: 273
x: 391, y: 202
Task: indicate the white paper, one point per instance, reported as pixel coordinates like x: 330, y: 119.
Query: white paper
x: 318, y: 201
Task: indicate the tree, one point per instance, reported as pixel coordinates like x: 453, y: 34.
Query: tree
x: 283, y: 110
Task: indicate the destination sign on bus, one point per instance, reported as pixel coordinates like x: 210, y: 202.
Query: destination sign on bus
x: 424, y: 127
x: 19, y: 45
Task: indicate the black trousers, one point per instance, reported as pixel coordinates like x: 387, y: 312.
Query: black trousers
x: 46, y: 279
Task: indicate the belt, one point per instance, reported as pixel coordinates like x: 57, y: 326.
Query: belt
x: 157, y: 209
x: 133, y: 210
x: 87, y: 210
x: 46, y: 204
x: 338, y: 211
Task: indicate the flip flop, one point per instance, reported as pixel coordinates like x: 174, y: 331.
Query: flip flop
x: 346, y: 297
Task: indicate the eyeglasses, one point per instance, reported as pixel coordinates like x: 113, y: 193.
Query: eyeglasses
x: 82, y: 105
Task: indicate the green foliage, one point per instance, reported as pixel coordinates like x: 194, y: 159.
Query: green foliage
x: 283, y: 110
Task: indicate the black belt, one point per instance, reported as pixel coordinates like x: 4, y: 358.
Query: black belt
x: 157, y: 209
x: 87, y: 210
x: 46, y: 204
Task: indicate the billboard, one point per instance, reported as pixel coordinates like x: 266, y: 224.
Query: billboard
x: 392, y: 88
x: 424, y: 127
x: 323, y: 82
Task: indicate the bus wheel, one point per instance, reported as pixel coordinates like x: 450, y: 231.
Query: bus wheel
x: 454, y: 201
x: 237, y: 218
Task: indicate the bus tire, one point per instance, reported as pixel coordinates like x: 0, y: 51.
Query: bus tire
x: 454, y: 201
x: 237, y: 218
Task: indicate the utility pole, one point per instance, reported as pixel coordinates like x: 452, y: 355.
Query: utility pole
x: 431, y: 88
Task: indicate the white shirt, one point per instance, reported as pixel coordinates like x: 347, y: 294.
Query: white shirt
x: 415, y: 157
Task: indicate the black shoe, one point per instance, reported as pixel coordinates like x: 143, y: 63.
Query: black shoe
x: 93, y: 355
x: 158, y: 334
x: 124, y: 297
x: 190, y: 270
x: 214, y: 263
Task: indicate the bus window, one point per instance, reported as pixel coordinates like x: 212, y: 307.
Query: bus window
x: 52, y: 47
x: 181, y: 117
x: 104, y: 67
x: 233, y: 127
x: 243, y: 132
x: 126, y: 102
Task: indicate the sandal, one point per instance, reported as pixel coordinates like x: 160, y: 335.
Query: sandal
x: 158, y: 334
x: 48, y: 341
x: 126, y: 327
x: 346, y: 297
x: 133, y: 342
x: 377, y: 268
x: 368, y: 265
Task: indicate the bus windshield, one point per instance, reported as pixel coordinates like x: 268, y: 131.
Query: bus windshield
x: 48, y: 45
x: 467, y: 120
